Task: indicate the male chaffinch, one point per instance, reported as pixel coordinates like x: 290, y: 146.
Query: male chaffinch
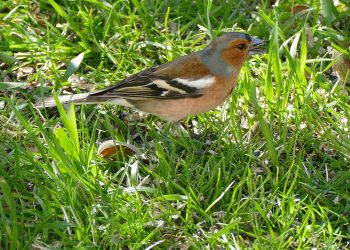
x: 189, y: 85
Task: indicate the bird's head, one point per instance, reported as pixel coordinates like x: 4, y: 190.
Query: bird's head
x: 232, y: 49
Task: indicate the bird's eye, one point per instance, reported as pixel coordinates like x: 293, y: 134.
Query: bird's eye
x: 242, y: 46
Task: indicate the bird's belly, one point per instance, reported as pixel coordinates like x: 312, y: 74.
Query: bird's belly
x: 177, y: 109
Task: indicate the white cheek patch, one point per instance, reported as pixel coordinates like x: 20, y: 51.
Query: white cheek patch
x: 204, y: 82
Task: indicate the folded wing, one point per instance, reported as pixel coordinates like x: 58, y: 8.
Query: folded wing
x: 148, y: 84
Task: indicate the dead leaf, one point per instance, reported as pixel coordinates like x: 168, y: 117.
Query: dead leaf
x: 25, y: 72
x: 299, y: 8
x: 112, y: 148
x: 341, y: 65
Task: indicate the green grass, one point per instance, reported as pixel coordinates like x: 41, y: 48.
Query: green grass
x: 269, y: 169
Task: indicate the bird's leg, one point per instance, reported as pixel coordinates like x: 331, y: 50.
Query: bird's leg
x: 176, y: 128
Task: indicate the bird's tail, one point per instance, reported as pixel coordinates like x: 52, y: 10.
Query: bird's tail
x: 85, y: 98
x: 50, y: 101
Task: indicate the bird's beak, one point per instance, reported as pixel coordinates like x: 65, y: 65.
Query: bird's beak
x: 255, y: 47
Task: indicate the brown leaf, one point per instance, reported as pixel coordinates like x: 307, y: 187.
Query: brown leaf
x: 341, y: 65
x: 298, y: 8
x: 112, y: 148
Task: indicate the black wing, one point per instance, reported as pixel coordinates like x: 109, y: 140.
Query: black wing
x: 147, y: 85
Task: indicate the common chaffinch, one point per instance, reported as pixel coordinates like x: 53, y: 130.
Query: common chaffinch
x: 192, y: 84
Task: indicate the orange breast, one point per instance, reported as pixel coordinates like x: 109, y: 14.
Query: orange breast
x: 177, y: 109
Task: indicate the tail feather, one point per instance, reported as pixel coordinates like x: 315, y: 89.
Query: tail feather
x: 50, y: 101
x: 84, y: 98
